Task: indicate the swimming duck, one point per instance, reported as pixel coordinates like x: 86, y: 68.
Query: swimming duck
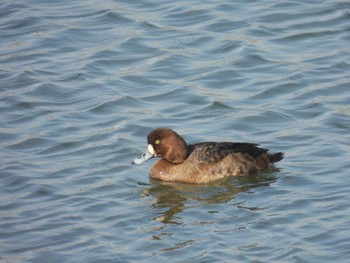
x: 202, y: 162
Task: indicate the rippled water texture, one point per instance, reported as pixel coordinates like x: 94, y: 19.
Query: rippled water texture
x: 83, y: 82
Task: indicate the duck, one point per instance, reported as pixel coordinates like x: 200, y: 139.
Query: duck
x: 202, y: 162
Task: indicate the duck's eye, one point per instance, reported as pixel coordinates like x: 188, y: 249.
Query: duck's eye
x: 157, y: 142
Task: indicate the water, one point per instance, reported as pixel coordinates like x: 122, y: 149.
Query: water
x: 83, y: 82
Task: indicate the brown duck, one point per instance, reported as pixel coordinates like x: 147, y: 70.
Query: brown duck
x: 202, y: 162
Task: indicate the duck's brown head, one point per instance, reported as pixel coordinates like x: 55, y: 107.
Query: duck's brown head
x: 166, y: 144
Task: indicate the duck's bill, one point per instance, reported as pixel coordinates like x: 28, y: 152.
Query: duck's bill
x: 144, y: 157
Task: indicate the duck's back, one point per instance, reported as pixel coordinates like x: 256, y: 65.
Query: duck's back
x: 216, y: 151
x: 230, y: 158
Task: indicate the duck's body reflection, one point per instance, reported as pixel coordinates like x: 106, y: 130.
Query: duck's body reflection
x: 176, y: 197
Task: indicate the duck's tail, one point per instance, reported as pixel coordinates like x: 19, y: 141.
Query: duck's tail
x: 276, y: 157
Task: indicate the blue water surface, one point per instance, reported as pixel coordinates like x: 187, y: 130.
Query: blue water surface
x: 83, y: 82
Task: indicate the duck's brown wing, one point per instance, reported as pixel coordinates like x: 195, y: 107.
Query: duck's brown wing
x: 214, y: 152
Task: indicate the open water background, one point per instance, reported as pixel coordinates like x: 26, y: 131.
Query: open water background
x: 83, y: 82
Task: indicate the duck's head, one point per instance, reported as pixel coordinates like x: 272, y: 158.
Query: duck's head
x: 165, y: 144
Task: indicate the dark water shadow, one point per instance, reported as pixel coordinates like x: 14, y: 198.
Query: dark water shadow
x: 173, y: 198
